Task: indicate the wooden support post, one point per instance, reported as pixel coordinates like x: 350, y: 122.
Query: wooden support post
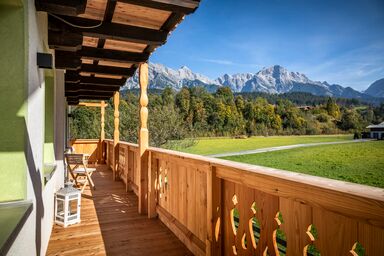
x: 214, y: 214
x: 142, y: 163
x: 102, y: 133
x: 116, y: 134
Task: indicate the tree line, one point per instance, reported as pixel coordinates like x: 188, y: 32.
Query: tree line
x: 194, y: 112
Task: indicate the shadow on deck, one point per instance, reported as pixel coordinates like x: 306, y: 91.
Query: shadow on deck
x: 110, y: 225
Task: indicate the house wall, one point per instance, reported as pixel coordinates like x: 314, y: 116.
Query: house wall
x: 49, y: 155
x: 14, y: 92
x: 377, y: 134
x: 38, y: 131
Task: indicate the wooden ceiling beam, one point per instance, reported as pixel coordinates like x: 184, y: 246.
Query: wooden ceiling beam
x: 107, y: 70
x: 87, y: 97
x: 67, y: 7
x: 172, y: 22
x: 74, y: 64
x: 67, y: 60
x: 101, y: 54
x: 75, y: 77
x: 177, y: 6
x: 72, y: 87
x: 75, y: 100
x: 72, y: 61
x: 109, y: 30
x: 88, y: 93
x: 65, y: 41
x: 113, y: 55
x: 93, y: 104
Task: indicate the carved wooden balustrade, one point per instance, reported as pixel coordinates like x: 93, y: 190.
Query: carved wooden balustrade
x: 219, y: 207
x: 127, y: 165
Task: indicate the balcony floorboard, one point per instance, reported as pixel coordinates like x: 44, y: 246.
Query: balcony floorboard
x: 110, y: 225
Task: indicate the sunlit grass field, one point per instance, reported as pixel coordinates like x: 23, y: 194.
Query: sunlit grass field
x: 355, y: 162
x: 223, y: 145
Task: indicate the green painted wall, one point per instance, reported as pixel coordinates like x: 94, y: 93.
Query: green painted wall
x: 49, y: 154
x: 14, y: 92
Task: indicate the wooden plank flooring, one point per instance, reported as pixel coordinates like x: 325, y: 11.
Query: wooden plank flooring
x: 110, y: 225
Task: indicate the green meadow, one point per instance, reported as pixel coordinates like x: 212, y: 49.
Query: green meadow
x: 208, y: 146
x: 361, y: 162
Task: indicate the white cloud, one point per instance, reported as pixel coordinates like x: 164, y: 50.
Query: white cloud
x: 230, y: 63
x: 218, y: 61
x: 357, y: 68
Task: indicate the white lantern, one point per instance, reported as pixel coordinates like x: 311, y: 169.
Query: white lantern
x: 67, y: 206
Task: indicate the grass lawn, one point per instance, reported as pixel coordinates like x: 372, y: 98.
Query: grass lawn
x: 224, y: 145
x: 356, y: 162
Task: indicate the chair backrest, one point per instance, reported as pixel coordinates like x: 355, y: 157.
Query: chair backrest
x: 74, y: 159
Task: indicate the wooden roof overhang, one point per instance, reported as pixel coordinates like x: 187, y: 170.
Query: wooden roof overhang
x: 102, y: 42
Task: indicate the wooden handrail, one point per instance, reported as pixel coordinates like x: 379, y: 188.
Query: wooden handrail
x: 129, y: 144
x: 79, y: 141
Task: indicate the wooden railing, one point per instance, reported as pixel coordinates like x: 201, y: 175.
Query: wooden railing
x: 93, y: 147
x: 219, y: 207
x: 127, y: 167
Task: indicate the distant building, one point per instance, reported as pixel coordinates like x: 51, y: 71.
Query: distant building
x: 376, y: 131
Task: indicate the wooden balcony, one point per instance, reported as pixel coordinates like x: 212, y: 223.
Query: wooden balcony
x: 110, y: 225
x: 218, y: 207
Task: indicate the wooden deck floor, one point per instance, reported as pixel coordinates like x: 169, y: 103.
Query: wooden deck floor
x: 110, y: 225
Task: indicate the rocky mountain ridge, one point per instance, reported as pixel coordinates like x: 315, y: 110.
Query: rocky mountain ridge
x: 274, y: 79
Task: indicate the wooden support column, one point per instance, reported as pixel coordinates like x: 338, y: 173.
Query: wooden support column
x: 116, y: 134
x: 102, y: 133
x: 142, y: 162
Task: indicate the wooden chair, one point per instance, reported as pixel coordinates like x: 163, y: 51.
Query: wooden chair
x: 78, y: 167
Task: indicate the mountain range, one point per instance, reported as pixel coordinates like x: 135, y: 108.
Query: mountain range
x: 274, y: 79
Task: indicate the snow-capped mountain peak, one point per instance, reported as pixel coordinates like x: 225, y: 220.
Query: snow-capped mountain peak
x: 161, y: 76
x: 235, y: 82
x: 273, y: 79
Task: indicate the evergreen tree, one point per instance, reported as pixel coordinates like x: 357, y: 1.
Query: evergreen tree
x: 332, y: 108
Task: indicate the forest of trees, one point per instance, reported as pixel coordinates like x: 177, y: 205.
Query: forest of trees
x: 193, y: 112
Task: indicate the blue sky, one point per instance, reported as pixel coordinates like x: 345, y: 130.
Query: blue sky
x: 336, y: 41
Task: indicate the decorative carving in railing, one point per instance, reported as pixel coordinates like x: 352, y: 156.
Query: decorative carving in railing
x: 254, y: 226
x: 310, y: 249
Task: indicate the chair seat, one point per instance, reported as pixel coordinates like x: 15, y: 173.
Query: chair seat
x: 82, y: 171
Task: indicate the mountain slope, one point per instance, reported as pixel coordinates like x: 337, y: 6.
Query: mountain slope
x: 236, y: 82
x: 376, y: 89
